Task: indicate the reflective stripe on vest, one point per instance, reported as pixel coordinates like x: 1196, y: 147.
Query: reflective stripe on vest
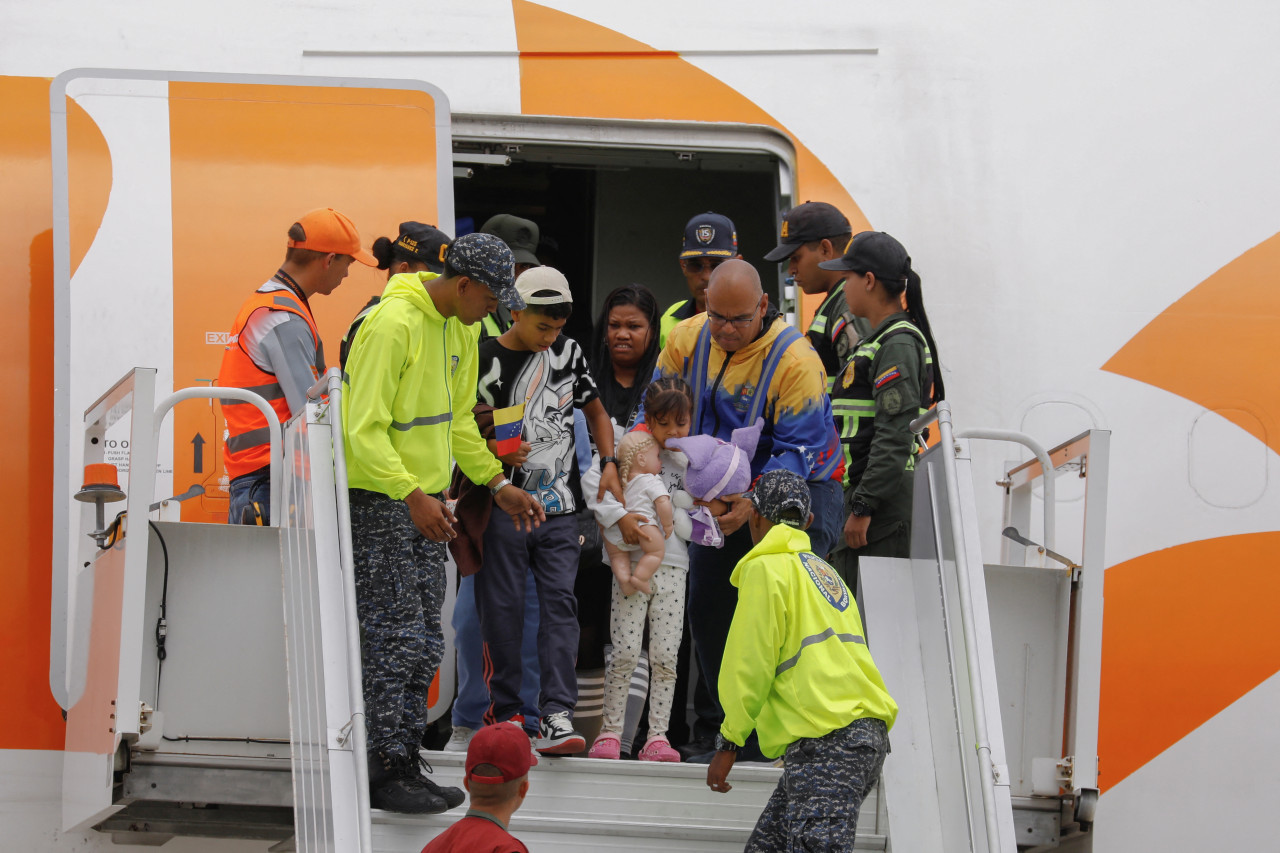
x: 855, y: 414
x: 248, y: 444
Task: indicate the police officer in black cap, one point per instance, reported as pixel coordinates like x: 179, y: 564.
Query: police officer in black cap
x: 709, y: 240
x: 416, y: 248
x: 814, y: 232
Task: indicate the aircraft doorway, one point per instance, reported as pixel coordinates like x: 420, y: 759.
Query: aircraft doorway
x: 614, y: 207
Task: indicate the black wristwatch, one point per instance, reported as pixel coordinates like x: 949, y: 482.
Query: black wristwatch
x: 723, y: 745
x: 860, y: 509
x: 605, y: 460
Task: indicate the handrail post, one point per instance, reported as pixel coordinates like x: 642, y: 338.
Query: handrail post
x: 273, y: 426
x: 946, y: 441
x: 331, y: 384
x: 1046, y: 464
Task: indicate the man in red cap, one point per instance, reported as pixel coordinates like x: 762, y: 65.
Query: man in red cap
x: 274, y: 349
x: 498, y: 761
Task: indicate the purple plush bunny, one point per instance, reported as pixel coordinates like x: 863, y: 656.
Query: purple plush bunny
x: 716, y: 468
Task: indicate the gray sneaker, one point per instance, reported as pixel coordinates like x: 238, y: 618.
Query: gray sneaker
x: 459, y: 740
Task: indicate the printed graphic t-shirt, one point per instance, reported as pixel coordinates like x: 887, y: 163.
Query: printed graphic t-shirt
x: 551, y: 384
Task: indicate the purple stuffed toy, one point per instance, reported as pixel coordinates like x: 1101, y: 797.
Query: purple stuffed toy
x: 716, y: 468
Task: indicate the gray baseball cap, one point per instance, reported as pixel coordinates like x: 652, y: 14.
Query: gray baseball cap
x: 486, y: 259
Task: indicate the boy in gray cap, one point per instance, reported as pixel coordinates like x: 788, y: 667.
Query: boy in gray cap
x: 797, y: 671
x: 521, y: 237
x: 408, y: 392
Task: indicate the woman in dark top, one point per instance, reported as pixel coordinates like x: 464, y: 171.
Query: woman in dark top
x: 624, y: 350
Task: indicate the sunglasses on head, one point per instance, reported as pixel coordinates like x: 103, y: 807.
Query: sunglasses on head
x: 698, y: 264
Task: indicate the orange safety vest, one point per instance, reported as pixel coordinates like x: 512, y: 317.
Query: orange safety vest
x: 248, y: 444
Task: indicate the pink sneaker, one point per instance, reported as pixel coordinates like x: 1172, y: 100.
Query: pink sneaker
x: 607, y: 745
x: 658, y: 749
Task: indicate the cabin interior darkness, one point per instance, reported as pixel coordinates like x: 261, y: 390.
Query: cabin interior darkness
x: 617, y: 215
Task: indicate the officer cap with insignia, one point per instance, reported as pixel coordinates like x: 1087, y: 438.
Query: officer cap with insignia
x: 709, y: 235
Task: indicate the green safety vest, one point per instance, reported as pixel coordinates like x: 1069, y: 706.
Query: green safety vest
x: 853, y: 399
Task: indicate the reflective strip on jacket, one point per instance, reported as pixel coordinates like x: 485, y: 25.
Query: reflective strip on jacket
x: 408, y: 390
x: 796, y: 663
x: 248, y: 444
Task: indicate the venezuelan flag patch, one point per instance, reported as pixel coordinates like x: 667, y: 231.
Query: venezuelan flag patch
x: 888, y: 376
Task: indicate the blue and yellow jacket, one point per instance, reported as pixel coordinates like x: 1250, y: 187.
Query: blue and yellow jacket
x: 778, y: 376
x: 796, y: 663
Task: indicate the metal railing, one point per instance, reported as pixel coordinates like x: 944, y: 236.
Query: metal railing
x: 273, y: 426
x: 941, y: 413
x: 331, y: 384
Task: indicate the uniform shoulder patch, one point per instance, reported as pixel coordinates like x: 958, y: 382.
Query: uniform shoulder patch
x: 826, y: 580
x: 888, y: 376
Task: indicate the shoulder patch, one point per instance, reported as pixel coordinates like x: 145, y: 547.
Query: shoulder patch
x: 888, y: 376
x: 826, y: 580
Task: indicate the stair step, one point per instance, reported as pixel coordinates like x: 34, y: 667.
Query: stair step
x: 591, y: 804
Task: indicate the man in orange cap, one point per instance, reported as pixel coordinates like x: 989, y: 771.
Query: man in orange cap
x: 498, y: 762
x: 274, y: 350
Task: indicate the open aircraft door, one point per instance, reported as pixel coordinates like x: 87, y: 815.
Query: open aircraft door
x: 173, y: 194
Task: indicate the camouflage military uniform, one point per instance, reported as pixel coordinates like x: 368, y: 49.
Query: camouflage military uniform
x: 400, y: 588
x: 824, y: 781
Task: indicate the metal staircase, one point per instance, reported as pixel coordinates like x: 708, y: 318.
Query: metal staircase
x: 251, y: 726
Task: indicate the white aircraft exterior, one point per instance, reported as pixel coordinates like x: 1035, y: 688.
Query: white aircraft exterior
x: 1088, y: 191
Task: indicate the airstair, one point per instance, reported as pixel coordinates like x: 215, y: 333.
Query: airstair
x: 213, y: 685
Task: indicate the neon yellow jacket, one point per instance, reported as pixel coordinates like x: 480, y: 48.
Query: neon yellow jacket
x: 408, y: 391
x: 796, y: 664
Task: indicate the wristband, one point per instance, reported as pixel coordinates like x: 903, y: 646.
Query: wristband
x: 605, y: 460
x: 503, y: 483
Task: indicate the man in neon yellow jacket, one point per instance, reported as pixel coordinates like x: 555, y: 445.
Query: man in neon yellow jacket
x: 408, y: 393
x: 796, y: 670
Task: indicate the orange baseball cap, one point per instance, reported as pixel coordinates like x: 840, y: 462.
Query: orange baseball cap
x: 326, y: 230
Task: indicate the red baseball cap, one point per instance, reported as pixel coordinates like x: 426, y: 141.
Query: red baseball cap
x: 505, y: 746
x: 326, y: 230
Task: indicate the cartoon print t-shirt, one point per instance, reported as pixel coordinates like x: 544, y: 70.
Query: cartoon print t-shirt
x: 550, y: 384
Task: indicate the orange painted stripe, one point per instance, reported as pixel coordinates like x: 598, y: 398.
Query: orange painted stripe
x: 1186, y: 633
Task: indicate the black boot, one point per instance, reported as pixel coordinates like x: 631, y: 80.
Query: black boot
x: 394, y: 786
x: 454, y: 797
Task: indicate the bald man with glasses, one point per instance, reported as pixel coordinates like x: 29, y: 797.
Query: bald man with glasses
x: 744, y: 362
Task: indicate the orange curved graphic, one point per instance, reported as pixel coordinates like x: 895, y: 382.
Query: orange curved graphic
x: 572, y: 67
x: 1240, y: 304
x: 1182, y: 640
x: 1186, y: 634
x: 26, y: 370
x: 88, y: 180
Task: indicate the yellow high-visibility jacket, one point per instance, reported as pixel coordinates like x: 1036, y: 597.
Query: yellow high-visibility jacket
x: 796, y: 664
x: 408, y: 391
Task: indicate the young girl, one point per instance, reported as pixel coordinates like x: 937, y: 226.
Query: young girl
x: 668, y: 405
x: 645, y: 494
x: 892, y: 377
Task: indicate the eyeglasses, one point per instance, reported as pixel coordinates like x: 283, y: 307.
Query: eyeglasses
x: 695, y: 265
x: 742, y: 321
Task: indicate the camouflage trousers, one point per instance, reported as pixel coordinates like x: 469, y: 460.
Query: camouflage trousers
x: 824, y: 781
x: 400, y: 588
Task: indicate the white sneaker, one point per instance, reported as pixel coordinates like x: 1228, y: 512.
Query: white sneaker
x: 459, y: 739
x: 533, y: 753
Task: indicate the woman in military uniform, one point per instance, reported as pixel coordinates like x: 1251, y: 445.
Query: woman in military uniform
x: 892, y: 377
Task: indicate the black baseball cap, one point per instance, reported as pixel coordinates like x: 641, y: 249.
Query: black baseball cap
x: 782, y: 497
x: 874, y: 252
x: 425, y: 242
x: 808, y: 223
x: 520, y: 235
x: 709, y: 235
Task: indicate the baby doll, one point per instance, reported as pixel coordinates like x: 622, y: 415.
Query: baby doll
x: 643, y: 494
x: 716, y: 468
